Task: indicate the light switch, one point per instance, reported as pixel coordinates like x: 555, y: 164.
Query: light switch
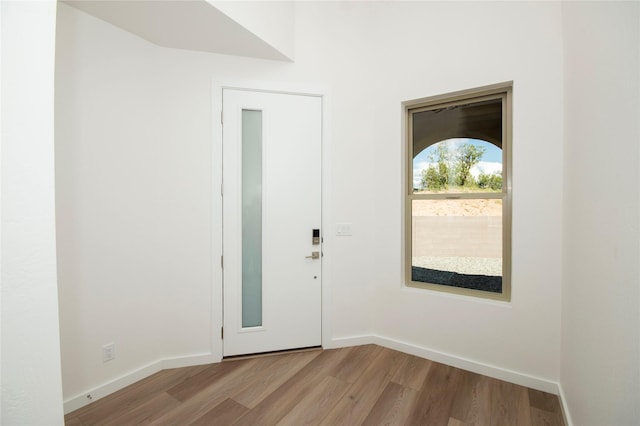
x: 343, y: 229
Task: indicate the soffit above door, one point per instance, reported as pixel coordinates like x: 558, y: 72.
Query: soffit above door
x: 194, y: 25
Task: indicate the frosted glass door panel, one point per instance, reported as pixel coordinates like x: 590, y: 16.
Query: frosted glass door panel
x: 251, y: 218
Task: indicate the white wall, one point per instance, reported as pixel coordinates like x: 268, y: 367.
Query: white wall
x: 492, y: 42
x: 272, y: 21
x: 134, y: 180
x: 600, y: 372
x: 133, y: 195
x: 377, y: 55
x: 31, y: 381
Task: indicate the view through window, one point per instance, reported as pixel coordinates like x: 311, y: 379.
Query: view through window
x: 458, y: 201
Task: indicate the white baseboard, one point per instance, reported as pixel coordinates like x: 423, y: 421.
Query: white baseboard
x: 188, y: 361
x: 91, y: 395
x: 344, y: 342
x: 565, y: 408
x: 454, y: 361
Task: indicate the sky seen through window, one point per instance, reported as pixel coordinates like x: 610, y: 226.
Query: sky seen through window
x: 490, y: 162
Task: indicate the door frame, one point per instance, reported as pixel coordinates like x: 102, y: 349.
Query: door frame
x: 217, y: 300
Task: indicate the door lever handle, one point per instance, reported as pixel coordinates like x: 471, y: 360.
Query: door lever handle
x: 314, y: 255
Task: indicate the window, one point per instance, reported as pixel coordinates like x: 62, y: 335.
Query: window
x: 458, y: 192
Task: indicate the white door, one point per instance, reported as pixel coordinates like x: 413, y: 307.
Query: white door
x: 271, y: 209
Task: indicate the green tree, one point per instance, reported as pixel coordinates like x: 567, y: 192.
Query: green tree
x: 436, y: 176
x: 490, y: 181
x: 432, y: 179
x: 467, y: 156
x: 451, y: 168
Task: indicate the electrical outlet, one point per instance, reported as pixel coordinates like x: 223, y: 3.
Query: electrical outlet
x: 108, y: 352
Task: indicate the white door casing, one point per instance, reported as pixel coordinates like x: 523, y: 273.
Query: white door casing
x: 291, y: 209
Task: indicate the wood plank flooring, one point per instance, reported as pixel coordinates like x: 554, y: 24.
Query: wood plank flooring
x: 361, y: 385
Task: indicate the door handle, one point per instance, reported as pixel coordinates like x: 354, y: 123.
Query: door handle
x: 314, y: 255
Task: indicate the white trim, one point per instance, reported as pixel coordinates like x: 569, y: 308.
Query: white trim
x: 272, y: 87
x: 186, y: 361
x: 216, y: 222
x: 510, y: 376
x: 563, y: 405
x: 132, y: 377
x: 217, y: 302
x: 344, y: 342
x: 327, y: 219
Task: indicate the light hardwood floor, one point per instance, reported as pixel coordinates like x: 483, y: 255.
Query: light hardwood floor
x: 368, y: 385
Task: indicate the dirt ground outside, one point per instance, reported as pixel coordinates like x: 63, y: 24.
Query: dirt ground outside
x: 458, y: 207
